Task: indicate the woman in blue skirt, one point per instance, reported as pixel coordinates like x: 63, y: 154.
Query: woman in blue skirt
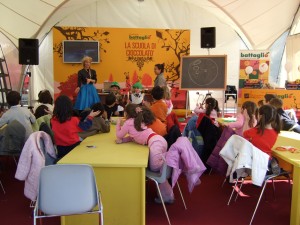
x: 87, y: 93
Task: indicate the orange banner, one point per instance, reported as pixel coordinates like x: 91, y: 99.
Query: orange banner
x: 290, y: 98
x: 127, y: 55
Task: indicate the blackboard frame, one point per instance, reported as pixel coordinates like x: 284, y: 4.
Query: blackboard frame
x: 219, y: 67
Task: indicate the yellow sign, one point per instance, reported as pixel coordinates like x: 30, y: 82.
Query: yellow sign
x: 127, y: 55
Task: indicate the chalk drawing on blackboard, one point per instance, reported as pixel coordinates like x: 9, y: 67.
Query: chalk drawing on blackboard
x: 203, y: 72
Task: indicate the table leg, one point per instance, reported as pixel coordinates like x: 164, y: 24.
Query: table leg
x: 295, y: 208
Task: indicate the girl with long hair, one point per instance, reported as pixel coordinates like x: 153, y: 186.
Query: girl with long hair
x: 265, y: 134
x: 134, y: 129
x: 65, y: 126
x: 245, y: 119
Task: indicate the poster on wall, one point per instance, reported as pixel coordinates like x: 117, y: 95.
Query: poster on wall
x: 126, y: 55
x: 254, y: 68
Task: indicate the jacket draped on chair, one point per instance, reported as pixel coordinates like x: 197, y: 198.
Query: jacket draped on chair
x: 210, y: 134
x: 215, y: 161
x: 32, y: 160
x: 183, y: 158
x: 241, y: 155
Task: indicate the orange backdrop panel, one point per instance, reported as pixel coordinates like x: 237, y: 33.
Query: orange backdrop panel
x: 290, y: 98
x: 126, y: 55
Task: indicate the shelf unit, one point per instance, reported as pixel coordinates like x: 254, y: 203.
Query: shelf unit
x: 5, y: 83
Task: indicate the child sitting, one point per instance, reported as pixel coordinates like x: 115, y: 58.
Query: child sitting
x: 111, y: 107
x: 100, y: 122
x: 152, y: 122
x: 44, y: 98
x: 209, y: 110
x: 159, y: 107
x: 137, y: 97
x: 264, y: 135
x: 65, y: 127
x: 139, y: 133
x: 246, y: 119
x: 16, y: 112
x: 287, y: 122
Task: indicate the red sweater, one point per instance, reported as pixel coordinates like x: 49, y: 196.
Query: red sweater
x: 264, y: 142
x: 66, y: 134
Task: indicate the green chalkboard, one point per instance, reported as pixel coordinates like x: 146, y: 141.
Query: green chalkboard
x: 203, y: 72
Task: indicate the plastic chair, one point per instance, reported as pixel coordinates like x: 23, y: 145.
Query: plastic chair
x: 161, y: 177
x: 267, y: 178
x: 67, y: 190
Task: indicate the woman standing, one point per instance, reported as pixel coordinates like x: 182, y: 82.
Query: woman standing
x: 160, y: 80
x: 87, y: 93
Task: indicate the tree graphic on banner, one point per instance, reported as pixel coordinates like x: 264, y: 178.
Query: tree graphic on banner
x: 172, y: 40
x: 78, y: 33
x: 68, y: 87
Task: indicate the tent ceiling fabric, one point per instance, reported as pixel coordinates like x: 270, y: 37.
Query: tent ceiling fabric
x: 262, y: 22
x: 258, y: 22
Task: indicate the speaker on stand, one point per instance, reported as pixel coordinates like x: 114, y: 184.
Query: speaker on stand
x: 208, y: 37
x: 28, y: 55
x: 28, y: 51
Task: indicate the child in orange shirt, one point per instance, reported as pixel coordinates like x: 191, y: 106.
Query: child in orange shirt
x: 159, y: 107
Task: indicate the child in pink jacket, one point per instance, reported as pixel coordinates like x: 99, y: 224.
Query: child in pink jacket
x: 135, y: 130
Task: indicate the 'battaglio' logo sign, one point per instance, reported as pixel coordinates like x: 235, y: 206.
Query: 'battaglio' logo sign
x: 255, y: 55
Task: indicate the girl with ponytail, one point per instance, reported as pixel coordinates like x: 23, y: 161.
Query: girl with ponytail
x: 134, y: 129
x: 265, y: 134
x: 246, y: 119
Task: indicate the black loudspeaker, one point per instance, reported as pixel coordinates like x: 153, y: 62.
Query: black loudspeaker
x: 208, y: 37
x: 28, y: 51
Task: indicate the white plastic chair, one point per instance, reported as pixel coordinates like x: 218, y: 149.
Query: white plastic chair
x: 67, y: 190
x: 161, y: 177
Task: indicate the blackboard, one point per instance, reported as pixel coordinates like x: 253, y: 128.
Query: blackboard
x: 203, y: 72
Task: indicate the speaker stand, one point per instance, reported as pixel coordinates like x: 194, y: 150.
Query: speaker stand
x: 208, y: 51
x: 187, y: 104
x: 26, y: 74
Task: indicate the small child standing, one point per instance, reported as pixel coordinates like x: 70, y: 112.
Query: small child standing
x: 134, y: 127
x: 16, y: 112
x: 245, y: 119
x: 264, y: 135
x: 65, y: 127
x: 167, y: 99
x: 137, y: 97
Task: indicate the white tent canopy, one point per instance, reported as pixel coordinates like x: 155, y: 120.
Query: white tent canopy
x: 258, y: 22
x: 240, y: 24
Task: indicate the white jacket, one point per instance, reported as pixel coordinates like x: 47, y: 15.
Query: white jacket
x: 241, y: 156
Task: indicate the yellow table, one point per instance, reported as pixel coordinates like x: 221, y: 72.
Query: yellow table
x: 225, y: 121
x: 120, y: 175
x: 287, y: 138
